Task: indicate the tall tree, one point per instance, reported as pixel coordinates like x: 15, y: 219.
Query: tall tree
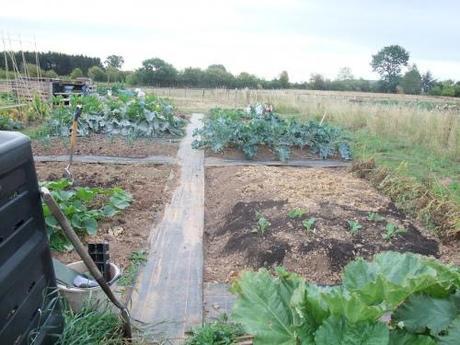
x: 157, y: 72
x: 345, y: 74
x: 115, y: 61
x: 388, y: 62
x: 411, y: 83
x: 284, y: 80
x: 427, y: 82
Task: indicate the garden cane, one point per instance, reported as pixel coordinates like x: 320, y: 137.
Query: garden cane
x: 93, y: 270
x: 73, y: 139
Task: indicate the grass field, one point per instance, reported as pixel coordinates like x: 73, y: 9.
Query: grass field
x: 418, y: 135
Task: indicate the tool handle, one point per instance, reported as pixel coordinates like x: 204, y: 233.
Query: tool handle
x: 77, y: 113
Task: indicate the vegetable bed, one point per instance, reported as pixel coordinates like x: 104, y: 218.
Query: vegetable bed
x: 128, y: 230
x: 311, y: 221
x: 101, y: 145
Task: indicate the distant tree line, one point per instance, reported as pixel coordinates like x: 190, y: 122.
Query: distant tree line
x: 61, y: 64
x: 389, y: 63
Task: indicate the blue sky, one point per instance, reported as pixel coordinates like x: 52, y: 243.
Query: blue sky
x: 262, y: 37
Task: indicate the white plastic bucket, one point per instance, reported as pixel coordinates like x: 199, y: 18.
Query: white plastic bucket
x: 78, y: 297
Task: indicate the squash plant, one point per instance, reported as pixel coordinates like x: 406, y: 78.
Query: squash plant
x: 83, y: 206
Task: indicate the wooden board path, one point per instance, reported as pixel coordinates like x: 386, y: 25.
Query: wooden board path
x: 169, y: 291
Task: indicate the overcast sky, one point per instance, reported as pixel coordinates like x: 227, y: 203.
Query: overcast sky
x: 262, y: 37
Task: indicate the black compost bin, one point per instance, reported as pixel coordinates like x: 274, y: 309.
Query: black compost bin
x: 29, y: 310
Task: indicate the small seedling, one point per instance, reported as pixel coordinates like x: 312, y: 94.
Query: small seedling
x: 262, y: 223
x: 309, y: 224
x: 375, y: 217
x: 296, y: 213
x: 391, y: 231
x: 354, y: 227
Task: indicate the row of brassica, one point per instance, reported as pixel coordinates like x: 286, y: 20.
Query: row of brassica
x: 249, y: 129
x: 123, y: 113
x: 396, y: 299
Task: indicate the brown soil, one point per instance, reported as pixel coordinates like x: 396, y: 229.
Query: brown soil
x: 100, y: 145
x: 235, y: 194
x: 264, y: 153
x: 151, y: 187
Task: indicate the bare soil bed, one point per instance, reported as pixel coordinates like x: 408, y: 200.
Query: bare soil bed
x: 151, y: 187
x: 235, y: 194
x: 100, y: 145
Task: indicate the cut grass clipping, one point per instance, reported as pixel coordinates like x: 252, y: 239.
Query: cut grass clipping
x: 83, y: 206
x: 436, y: 211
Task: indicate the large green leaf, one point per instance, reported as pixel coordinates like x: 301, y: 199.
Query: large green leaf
x: 338, y: 331
x: 453, y: 334
x: 264, y: 308
x: 420, y: 312
x: 399, y: 337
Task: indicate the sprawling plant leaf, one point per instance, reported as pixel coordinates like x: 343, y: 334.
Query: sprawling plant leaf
x: 338, y: 331
x: 415, y: 318
x: 453, y: 334
x: 396, y: 299
x: 399, y: 337
x: 82, y: 206
x: 264, y: 308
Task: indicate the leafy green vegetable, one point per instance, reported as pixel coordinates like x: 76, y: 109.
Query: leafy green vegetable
x: 248, y: 130
x: 393, y: 300
x: 125, y: 114
x: 375, y: 217
x: 309, y: 223
x: 82, y: 206
x: 296, y: 213
x: 415, y: 318
x: 262, y: 223
x: 354, y: 227
x: 392, y: 231
x: 337, y: 331
x: 264, y: 309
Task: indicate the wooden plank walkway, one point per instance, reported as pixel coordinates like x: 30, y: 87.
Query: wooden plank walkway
x: 169, y: 291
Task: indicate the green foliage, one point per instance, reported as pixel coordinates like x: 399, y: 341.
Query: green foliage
x: 91, y: 326
x: 247, y: 130
x: 353, y: 226
x: 396, y: 299
x: 97, y: 73
x: 220, y: 332
x: 136, y: 260
x: 388, y: 63
x: 262, y: 223
x: 83, y: 206
x: 296, y: 213
x: 8, y: 124
x: 115, y: 61
x: 412, y: 81
x: 392, y: 231
x: 375, y: 217
x: 123, y: 113
x: 309, y: 223
x: 76, y: 73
